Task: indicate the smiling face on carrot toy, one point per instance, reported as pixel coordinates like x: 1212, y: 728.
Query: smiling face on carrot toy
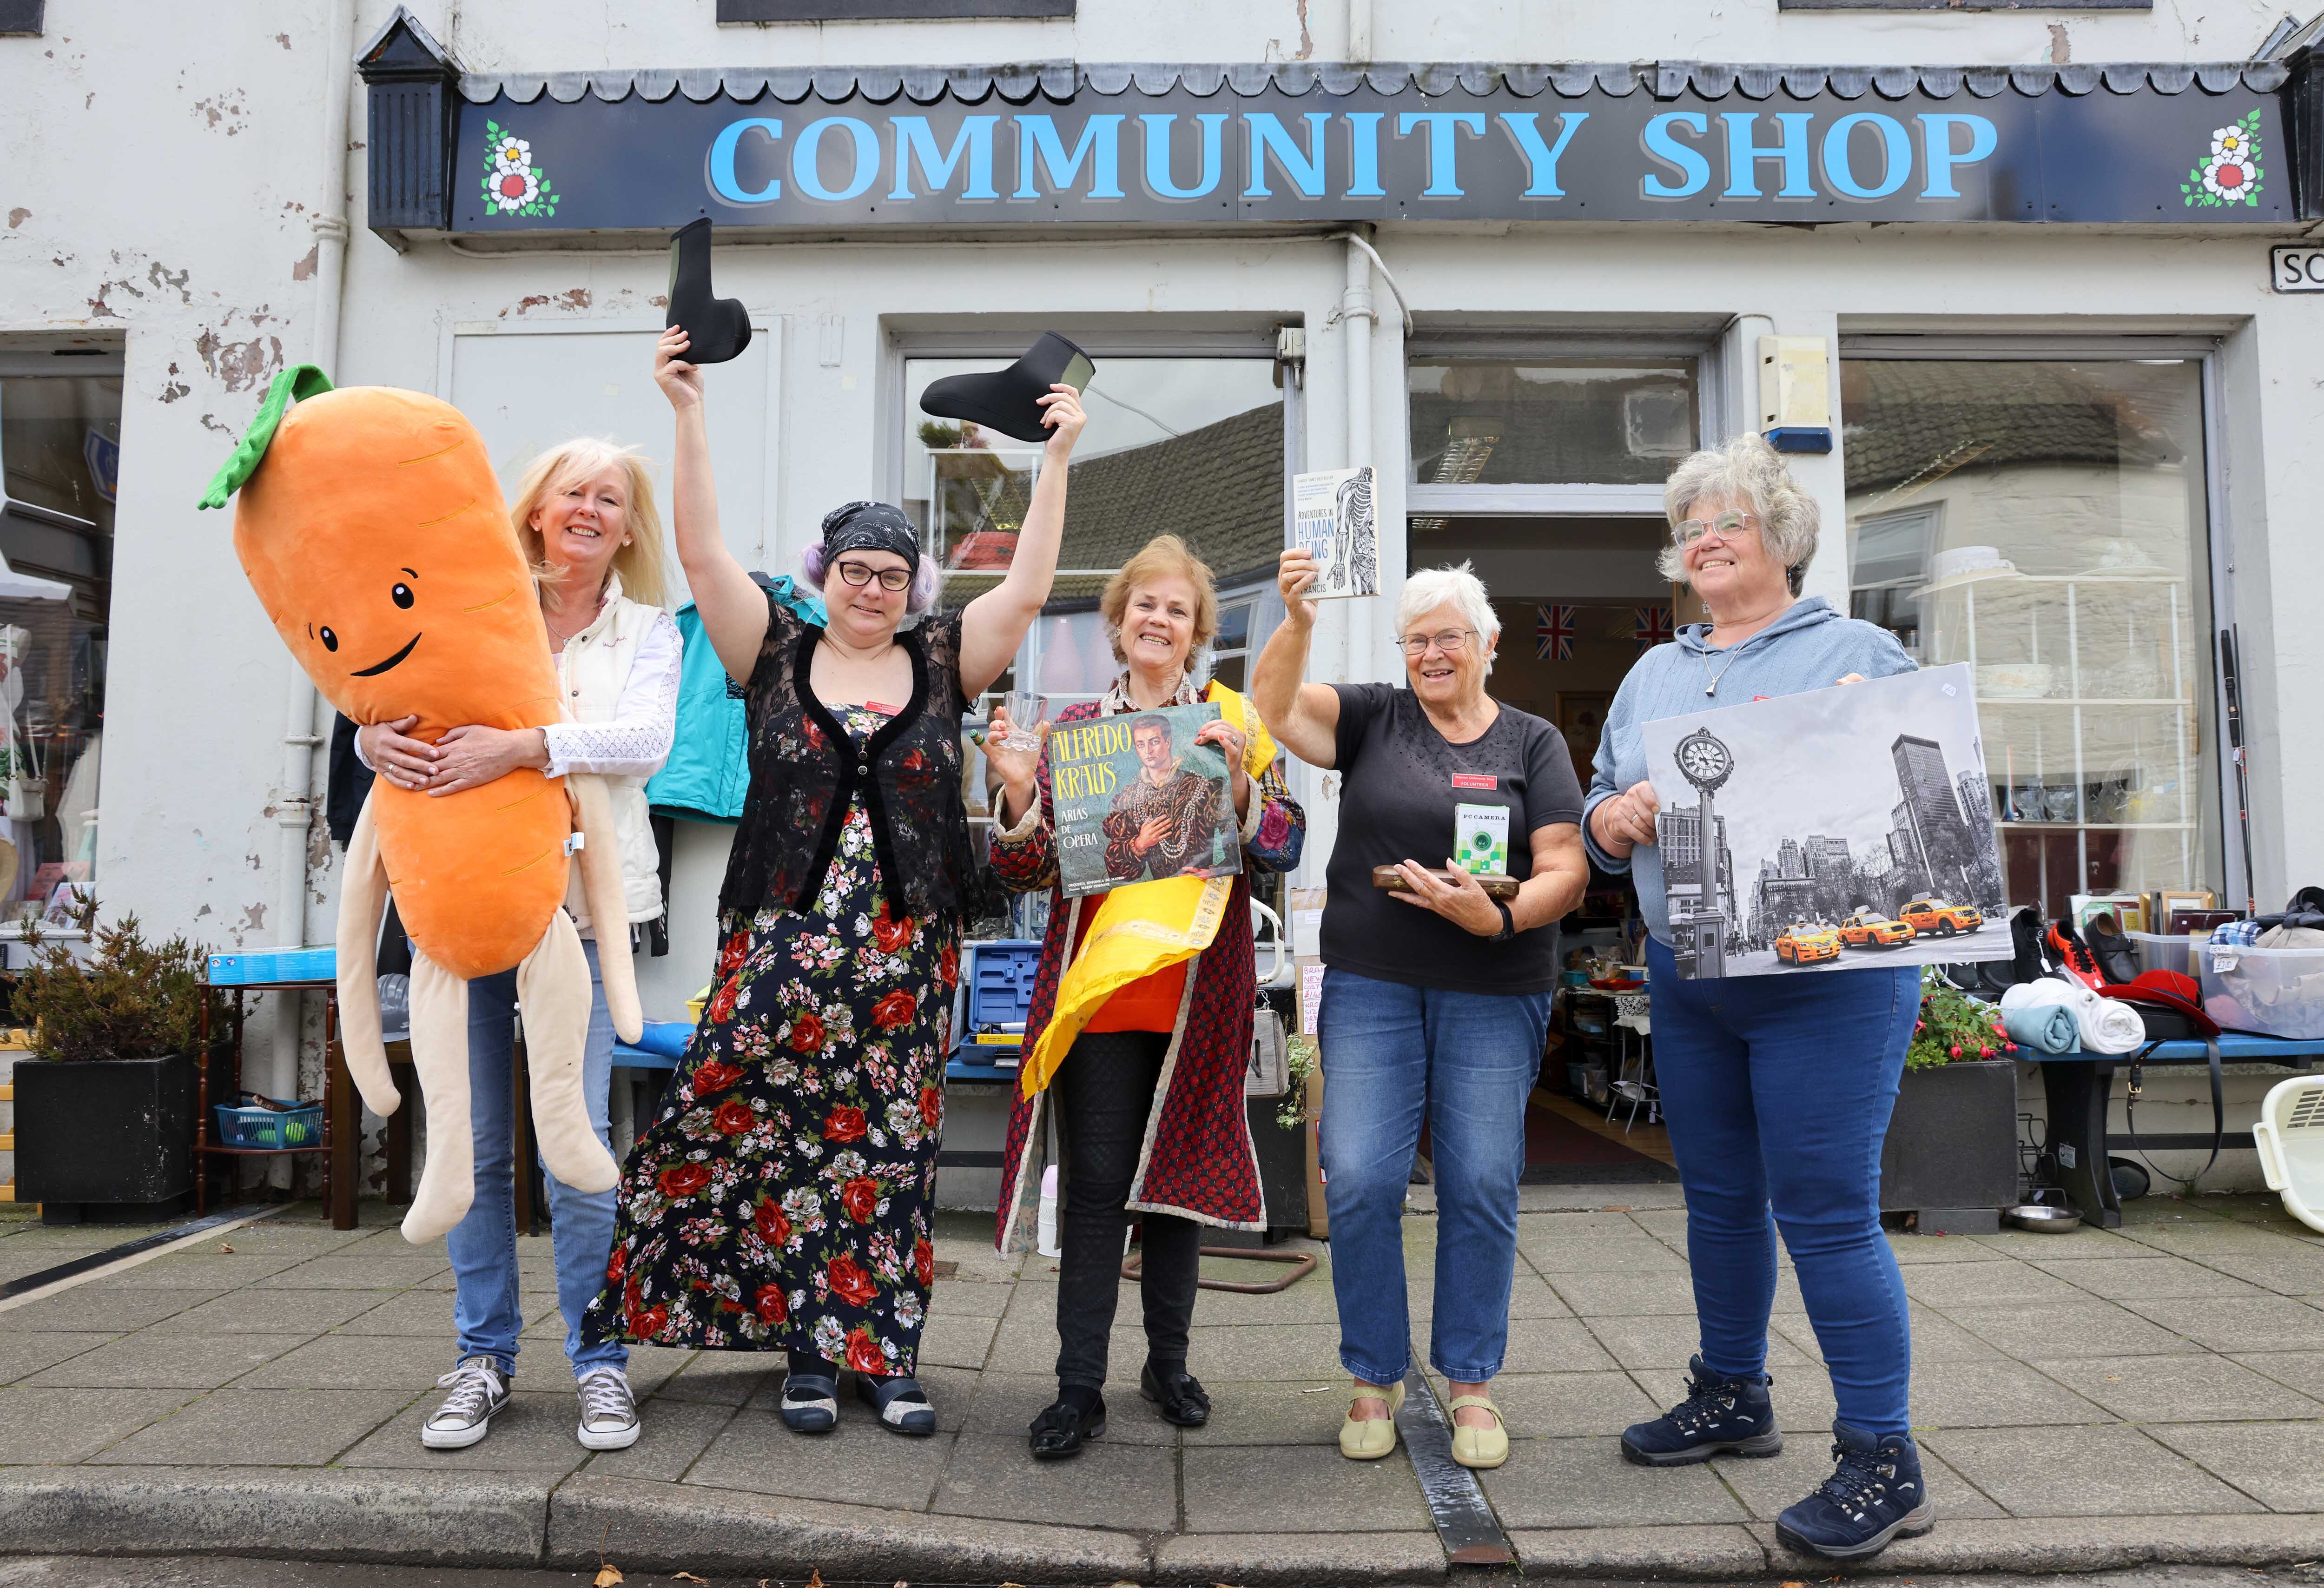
x: 372, y: 528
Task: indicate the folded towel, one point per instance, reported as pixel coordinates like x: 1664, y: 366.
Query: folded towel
x: 2047, y: 1028
x: 666, y: 1038
x: 2106, y: 1025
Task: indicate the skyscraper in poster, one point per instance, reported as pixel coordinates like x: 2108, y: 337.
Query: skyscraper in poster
x: 1931, y: 807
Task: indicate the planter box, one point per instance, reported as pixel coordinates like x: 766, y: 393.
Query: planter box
x: 1952, y: 1144
x: 110, y: 1140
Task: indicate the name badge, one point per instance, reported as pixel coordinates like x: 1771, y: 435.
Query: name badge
x: 1474, y: 780
x: 881, y: 707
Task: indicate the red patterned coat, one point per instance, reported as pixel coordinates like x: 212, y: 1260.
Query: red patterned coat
x: 1198, y: 1161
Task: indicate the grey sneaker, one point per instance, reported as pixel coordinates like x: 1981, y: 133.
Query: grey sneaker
x: 479, y: 1389
x: 608, y: 1411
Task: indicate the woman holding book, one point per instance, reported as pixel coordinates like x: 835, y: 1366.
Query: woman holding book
x: 782, y: 1202
x: 1141, y: 1015
x: 1436, y: 995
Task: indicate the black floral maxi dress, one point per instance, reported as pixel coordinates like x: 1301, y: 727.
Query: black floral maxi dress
x: 782, y: 1200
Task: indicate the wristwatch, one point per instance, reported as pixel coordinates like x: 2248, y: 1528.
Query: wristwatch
x: 1508, y: 923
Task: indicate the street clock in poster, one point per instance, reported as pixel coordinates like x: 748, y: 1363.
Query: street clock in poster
x: 1848, y: 825
x: 1332, y: 518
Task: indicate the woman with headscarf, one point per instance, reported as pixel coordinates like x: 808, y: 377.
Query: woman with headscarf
x: 782, y: 1200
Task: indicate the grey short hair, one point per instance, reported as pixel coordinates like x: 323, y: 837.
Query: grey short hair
x: 1457, y: 587
x: 1746, y: 469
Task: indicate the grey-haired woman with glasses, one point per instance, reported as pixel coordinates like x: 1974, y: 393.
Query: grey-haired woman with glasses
x: 1436, y: 996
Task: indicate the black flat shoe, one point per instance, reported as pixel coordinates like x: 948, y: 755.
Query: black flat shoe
x: 810, y: 1404
x: 902, y: 1404
x: 1179, y: 1395
x: 1062, y: 1429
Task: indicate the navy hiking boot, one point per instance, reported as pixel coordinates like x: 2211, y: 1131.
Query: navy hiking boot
x: 1874, y: 1496
x: 1719, y: 1416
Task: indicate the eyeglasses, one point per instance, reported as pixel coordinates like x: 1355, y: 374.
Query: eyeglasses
x: 860, y: 574
x: 1451, y: 642
x: 1728, y: 524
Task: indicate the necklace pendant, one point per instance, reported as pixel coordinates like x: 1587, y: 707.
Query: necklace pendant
x: 1712, y: 687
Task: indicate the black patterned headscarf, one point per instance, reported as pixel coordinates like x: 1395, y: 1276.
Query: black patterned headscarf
x: 870, y: 526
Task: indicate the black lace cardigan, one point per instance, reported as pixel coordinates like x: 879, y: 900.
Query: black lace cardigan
x: 805, y: 773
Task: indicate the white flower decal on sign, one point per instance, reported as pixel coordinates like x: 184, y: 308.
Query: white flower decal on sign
x: 2231, y: 173
x: 512, y: 184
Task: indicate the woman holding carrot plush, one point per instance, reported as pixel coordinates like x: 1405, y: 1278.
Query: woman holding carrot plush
x: 782, y: 1201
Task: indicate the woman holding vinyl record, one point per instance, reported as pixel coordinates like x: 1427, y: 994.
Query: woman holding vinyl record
x: 1776, y: 1088
x: 1437, y: 983
x: 1141, y: 1020
x: 782, y: 1201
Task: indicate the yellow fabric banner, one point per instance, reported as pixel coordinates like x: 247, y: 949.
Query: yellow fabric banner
x: 1143, y: 928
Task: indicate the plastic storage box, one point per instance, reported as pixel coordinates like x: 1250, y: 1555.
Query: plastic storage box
x: 268, y: 1128
x: 2289, y: 1136
x: 2276, y: 992
x: 997, y: 995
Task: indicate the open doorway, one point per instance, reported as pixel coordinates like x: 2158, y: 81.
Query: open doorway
x: 1580, y: 601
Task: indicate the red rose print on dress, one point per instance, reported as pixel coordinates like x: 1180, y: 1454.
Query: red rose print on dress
x: 806, y: 1034
x: 895, y: 1010
x: 646, y: 1325
x: 931, y: 1107
x: 890, y: 933
x: 924, y: 1261
x: 860, y: 1198
x: 710, y: 1076
x: 774, y: 1229
x: 846, y: 1124
x: 850, y: 1280
x: 682, y: 1180
x: 723, y: 1004
x: 734, y: 1117
x: 948, y: 966
x: 731, y: 958
x: 616, y: 1265
x: 773, y: 1307
x: 863, y: 1352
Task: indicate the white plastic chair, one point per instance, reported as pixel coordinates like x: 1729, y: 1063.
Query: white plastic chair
x: 2289, y: 1136
x: 1634, y: 1018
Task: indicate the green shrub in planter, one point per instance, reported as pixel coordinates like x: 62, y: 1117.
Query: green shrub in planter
x: 105, y: 1105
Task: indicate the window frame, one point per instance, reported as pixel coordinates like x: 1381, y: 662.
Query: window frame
x: 2206, y: 351
x: 1561, y: 499
x: 21, y: 19
x: 1782, y: 5
x: 758, y: 13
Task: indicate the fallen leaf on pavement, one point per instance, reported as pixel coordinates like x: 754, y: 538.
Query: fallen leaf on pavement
x: 222, y: 1247
x: 815, y: 1579
x: 690, y: 1577
x: 607, y: 1576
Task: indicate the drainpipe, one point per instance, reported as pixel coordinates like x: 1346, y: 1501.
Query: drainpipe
x: 1357, y: 317
x: 294, y: 805
x: 1359, y: 29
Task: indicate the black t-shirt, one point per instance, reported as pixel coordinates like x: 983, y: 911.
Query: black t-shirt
x: 1400, y: 779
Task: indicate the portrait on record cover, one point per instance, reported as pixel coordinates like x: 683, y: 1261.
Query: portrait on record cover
x: 1137, y: 800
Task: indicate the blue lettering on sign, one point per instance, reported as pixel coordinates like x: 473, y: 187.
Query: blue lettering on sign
x: 1301, y: 168
x: 1444, y: 128
x: 1541, y: 158
x: 723, y: 180
x: 1159, y: 181
x: 1940, y: 156
x: 1896, y: 143
x: 807, y: 168
x: 1661, y: 145
x: 1743, y: 155
x: 1100, y: 145
x: 1363, y: 155
x: 915, y: 141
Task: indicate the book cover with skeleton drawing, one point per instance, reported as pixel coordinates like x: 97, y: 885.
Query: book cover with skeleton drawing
x: 1136, y: 799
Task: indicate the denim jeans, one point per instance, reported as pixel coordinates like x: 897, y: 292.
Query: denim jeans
x: 1777, y: 1090
x: 486, y: 1303
x: 1394, y: 1056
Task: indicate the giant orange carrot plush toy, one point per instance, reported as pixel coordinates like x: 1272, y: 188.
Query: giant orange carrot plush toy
x: 372, y: 527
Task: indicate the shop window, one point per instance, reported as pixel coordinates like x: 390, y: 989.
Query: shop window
x: 59, y: 457
x: 747, y: 11
x: 2047, y: 523
x: 22, y: 17
x: 1231, y: 647
x: 1563, y: 421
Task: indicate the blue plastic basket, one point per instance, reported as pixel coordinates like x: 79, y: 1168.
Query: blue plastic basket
x: 269, y: 1129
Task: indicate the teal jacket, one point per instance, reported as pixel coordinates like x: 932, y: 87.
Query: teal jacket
x: 709, y: 764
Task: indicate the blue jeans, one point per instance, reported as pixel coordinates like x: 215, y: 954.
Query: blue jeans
x: 484, y: 1306
x: 1777, y: 1090
x: 1465, y: 1062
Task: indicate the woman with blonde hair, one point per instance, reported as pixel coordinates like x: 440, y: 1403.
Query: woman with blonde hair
x: 1141, y: 1012
x: 584, y: 515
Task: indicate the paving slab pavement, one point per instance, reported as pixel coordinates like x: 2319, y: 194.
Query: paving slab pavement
x: 2151, y: 1397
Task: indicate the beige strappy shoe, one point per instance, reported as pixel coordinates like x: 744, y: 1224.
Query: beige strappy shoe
x: 1483, y: 1448
x: 1375, y: 1438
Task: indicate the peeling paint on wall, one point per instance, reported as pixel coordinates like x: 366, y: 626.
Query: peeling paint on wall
x: 176, y: 388
x: 305, y: 268
x: 163, y: 281
x: 226, y: 110
x: 17, y: 217
x: 240, y: 367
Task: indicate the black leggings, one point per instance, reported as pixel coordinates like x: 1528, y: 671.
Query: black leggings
x: 1104, y: 1091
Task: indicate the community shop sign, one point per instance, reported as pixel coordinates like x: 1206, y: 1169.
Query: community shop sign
x: 2191, y: 157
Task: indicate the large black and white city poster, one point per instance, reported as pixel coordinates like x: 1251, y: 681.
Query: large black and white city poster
x: 1848, y: 825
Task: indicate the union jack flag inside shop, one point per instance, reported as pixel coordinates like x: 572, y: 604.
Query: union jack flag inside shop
x: 1553, y: 632
x: 1652, y: 627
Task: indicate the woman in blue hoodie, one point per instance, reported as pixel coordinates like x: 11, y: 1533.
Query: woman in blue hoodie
x: 1777, y: 1089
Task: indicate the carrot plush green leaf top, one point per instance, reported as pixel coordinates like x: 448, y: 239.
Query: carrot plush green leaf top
x: 300, y: 381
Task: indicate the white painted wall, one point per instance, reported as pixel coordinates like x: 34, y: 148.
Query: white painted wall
x: 162, y: 162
